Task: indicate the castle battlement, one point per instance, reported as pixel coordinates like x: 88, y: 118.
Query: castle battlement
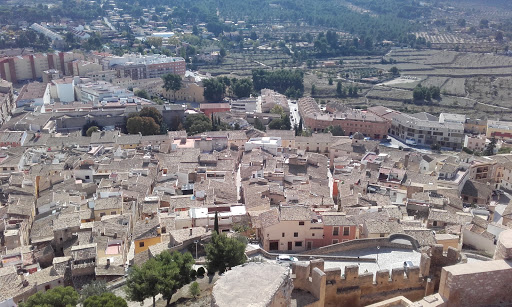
x: 351, y: 288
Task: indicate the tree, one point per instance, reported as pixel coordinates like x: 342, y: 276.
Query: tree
x: 105, y: 300
x: 394, y: 70
x: 89, y: 125
x: 153, y: 113
x: 154, y: 41
x: 499, y: 36
x: 331, y: 81
x: 194, y: 289
x: 258, y: 124
x: 172, y: 82
x: 216, y: 223
x: 197, y: 123
x: 214, y: 89
x: 313, y: 90
x: 339, y: 89
x: 56, y: 297
x: 144, y: 282
x: 91, y: 130
x: 224, y: 252
x: 142, y: 94
x: 336, y: 130
x: 242, y: 87
x: 489, y: 149
x: 222, y: 52
x: 176, y: 269
x: 94, y: 288
x: 143, y: 125
x: 418, y: 94
x: 277, y: 109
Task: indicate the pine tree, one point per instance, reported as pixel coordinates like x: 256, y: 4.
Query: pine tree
x: 216, y: 223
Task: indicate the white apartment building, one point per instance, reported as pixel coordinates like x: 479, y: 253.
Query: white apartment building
x: 270, y: 144
x: 427, y: 129
x: 247, y: 105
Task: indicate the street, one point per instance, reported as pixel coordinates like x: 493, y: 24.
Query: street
x: 294, y: 113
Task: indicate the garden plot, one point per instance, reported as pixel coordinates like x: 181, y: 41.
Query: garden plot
x: 443, y: 57
x: 434, y: 81
x: 481, y: 60
x: 454, y: 86
x: 385, y: 93
x: 493, y: 91
x: 404, y: 82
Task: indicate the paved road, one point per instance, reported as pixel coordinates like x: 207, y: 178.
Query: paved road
x: 294, y: 113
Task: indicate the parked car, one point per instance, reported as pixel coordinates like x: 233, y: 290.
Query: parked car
x: 286, y: 259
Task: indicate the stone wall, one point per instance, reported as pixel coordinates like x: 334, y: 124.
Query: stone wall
x: 432, y: 263
x: 357, y: 244
x: 354, y: 289
x: 483, y: 285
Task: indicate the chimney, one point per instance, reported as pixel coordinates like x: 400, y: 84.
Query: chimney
x: 190, y: 231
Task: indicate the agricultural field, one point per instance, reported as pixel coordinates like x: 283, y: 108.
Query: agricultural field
x: 454, y: 86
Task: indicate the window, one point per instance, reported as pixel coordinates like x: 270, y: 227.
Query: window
x: 298, y: 243
x: 282, y: 235
x: 47, y: 287
x: 335, y: 231
x: 112, y: 213
x: 164, y: 230
x: 301, y: 223
x: 295, y: 234
x: 102, y: 214
x: 335, y: 241
x: 346, y: 231
x: 87, y: 177
x: 141, y: 244
x: 382, y: 235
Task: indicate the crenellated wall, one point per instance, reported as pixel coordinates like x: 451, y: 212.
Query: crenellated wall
x: 354, y: 289
x: 432, y: 263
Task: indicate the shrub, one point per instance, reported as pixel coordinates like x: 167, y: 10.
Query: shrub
x: 201, y: 271
x: 194, y: 289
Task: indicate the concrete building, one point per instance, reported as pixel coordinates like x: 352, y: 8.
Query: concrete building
x: 475, y: 143
x: 83, y: 68
x: 254, y: 284
x: 211, y: 108
x: 499, y: 129
x: 270, y: 99
x: 247, y: 105
x: 7, y: 103
x: 426, y: 129
x: 46, y: 32
x: 350, y: 120
x: 475, y: 126
x: 139, y: 66
x: 97, y: 92
x: 270, y: 144
x: 191, y: 91
x: 296, y: 229
x: 32, y: 66
x: 62, y: 90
